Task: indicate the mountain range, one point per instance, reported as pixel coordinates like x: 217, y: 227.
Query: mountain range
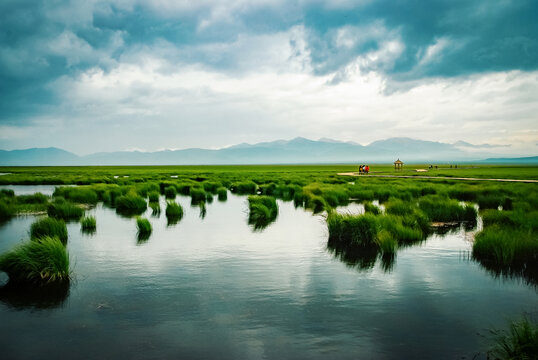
x: 295, y: 151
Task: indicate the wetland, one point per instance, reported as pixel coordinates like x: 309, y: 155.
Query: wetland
x: 258, y: 276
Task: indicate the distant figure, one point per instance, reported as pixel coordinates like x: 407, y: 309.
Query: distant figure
x: 360, y: 169
x: 431, y: 166
x: 367, y: 169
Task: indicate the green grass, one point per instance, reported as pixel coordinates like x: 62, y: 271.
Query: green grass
x: 153, y: 196
x: 352, y: 230
x: 519, y: 342
x: 170, y: 192
x: 88, y: 224
x: 43, y: 260
x: 198, y: 195
x: 144, y: 227
x: 36, y: 198
x: 388, y: 245
x: 49, y: 227
x: 222, y: 193
x: 507, y: 248
x: 130, y: 204
x: 174, y: 212
x: 262, y: 210
x: 442, y: 209
x: 371, y: 208
x: 61, y: 209
x: 77, y: 194
x: 244, y: 188
x: 155, y: 209
x: 6, y: 211
x: 316, y: 187
x: 211, y: 187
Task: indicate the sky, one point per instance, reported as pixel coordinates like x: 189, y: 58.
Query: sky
x: 90, y: 76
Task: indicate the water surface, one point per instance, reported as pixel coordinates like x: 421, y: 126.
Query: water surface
x: 214, y: 288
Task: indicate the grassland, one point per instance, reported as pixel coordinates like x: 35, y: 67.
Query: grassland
x: 508, y: 244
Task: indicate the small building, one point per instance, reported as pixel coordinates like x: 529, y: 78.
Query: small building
x: 398, y: 164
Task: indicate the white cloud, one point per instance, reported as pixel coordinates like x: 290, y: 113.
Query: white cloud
x: 433, y: 52
x: 192, y: 106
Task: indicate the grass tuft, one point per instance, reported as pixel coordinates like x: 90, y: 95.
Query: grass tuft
x: 519, y: 342
x: 131, y: 204
x: 43, y: 260
x: 49, y: 227
x: 263, y: 210
x: 153, y: 196
x: 174, y: 212
x: 222, y: 193
x: 144, y: 228
x: 170, y: 192
x: 88, y: 224
x: 198, y: 195
x: 61, y: 209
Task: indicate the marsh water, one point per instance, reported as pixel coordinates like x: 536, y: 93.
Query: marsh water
x: 213, y: 287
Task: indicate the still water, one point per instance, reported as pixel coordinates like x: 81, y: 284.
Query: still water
x: 214, y: 288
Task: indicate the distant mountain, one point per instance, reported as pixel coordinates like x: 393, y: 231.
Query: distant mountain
x: 38, y: 156
x: 464, y: 144
x: 295, y: 151
x: 519, y: 160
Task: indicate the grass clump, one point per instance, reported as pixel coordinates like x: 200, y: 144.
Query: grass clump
x: 49, y: 227
x: 43, y: 260
x: 211, y: 187
x: 37, y: 198
x: 399, y: 207
x: 155, y: 209
x: 61, y: 209
x: 519, y: 342
x: 153, y: 196
x: 77, y: 194
x: 262, y: 210
x: 88, y: 224
x: 6, y: 211
x: 131, y: 204
x: 170, y: 192
x: 222, y: 193
x: 352, y: 230
x: 244, y: 188
x: 316, y: 203
x: 446, y: 210
x: 144, y: 228
x: 184, y: 188
x: 174, y: 212
x: 507, y: 249
x: 387, y: 243
x: 371, y: 208
x: 198, y: 195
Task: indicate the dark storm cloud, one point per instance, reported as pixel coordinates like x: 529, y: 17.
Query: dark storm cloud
x: 42, y: 41
x: 488, y: 35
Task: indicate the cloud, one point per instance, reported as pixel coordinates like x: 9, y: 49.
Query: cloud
x: 300, y: 68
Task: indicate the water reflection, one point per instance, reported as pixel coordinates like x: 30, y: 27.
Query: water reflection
x: 88, y: 231
x: 529, y: 273
x: 361, y: 257
x: 31, y: 296
x: 142, y: 237
x: 229, y: 292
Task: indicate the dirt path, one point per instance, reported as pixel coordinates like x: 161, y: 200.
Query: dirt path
x: 438, y: 177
